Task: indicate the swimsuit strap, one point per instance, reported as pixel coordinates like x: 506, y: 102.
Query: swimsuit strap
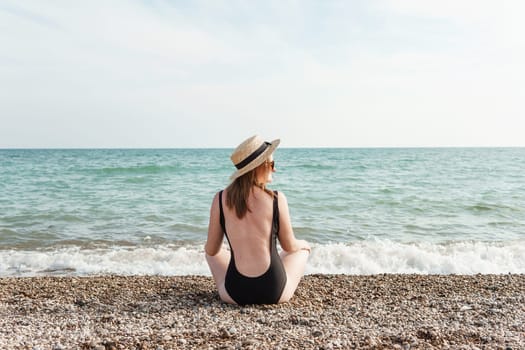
x: 222, y: 213
x: 223, y: 221
x: 275, y: 222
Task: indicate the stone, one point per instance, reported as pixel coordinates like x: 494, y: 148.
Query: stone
x: 339, y: 312
x: 317, y: 333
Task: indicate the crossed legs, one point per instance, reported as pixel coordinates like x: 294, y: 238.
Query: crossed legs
x: 218, y: 264
x: 294, y: 265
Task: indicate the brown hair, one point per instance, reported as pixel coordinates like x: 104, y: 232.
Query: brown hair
x: 239, y: 190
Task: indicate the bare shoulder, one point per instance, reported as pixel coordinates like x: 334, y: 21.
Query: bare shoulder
x: 216, y: 197
x: 215, y: 202
x: 281, y: 197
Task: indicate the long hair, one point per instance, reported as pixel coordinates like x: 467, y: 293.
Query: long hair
x: 239, y: 190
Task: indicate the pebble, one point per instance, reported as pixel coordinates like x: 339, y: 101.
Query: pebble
x: 385, y: 311
x: 224, y: 333
x: 317, y: 333
x: 465, y: 308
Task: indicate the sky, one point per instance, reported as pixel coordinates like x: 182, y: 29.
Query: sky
x: 326, y: 73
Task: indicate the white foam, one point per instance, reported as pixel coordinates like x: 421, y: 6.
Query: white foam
x: 123, y: 261
x: 367, y: 257
x: 374, y: 257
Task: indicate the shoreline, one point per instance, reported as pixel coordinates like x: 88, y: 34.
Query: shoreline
x: 327, y: 312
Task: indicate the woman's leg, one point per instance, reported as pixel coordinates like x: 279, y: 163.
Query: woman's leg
x: 218, y: 264
x: 294, y: 265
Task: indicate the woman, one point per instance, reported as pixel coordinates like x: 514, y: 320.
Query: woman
x: 252, y: 217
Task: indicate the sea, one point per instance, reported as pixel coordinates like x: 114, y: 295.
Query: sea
x: 88, y: 212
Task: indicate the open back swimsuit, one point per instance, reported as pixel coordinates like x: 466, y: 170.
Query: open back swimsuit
x: 266, y: 288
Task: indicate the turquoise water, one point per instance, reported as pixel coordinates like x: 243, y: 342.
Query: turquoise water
x: 445, y: 210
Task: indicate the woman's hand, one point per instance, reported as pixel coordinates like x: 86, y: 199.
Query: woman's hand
x: 303, y: 245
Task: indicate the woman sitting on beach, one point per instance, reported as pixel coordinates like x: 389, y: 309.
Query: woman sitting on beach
x: 252, y: 217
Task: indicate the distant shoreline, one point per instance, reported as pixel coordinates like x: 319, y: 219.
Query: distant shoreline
x: 328, y: 311
x: 231, y: 148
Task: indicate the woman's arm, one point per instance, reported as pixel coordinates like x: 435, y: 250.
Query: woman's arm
x: 215, y: 234
x: 286, y: 236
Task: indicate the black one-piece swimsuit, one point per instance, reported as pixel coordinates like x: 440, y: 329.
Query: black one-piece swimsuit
x: 266, y: 288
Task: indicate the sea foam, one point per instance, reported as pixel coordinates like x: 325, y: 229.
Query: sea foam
x: 384, y: 256
x: 362, y: 258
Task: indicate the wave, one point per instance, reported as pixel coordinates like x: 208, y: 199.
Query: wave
x: 486, y: 207
x: 385, y: 256
x: 161, y: 260
x: 360, y: 258
x: 33, y: 219
x: 138, y: 170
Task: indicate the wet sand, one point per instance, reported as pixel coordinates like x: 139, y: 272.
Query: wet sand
x: 327, y: 312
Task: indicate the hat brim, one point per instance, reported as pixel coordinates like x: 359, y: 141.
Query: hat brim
x: 257, y: 161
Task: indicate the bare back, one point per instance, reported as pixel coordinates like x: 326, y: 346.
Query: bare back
x: 250, y: 236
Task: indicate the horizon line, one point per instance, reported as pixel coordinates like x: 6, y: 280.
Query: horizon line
x: 284, y: 147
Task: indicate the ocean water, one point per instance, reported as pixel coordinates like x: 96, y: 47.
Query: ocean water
x: 365, y: 211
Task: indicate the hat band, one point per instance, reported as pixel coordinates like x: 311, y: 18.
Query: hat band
x: 252, y: 156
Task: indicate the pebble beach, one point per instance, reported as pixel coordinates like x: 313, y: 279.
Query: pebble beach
x: 385, y: 311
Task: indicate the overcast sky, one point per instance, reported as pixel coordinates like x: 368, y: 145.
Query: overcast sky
x: 320, y: 73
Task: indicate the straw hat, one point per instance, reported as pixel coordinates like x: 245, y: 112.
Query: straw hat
x: 250, y: 154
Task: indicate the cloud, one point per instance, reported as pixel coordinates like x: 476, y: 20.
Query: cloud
x: 155, y: 73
